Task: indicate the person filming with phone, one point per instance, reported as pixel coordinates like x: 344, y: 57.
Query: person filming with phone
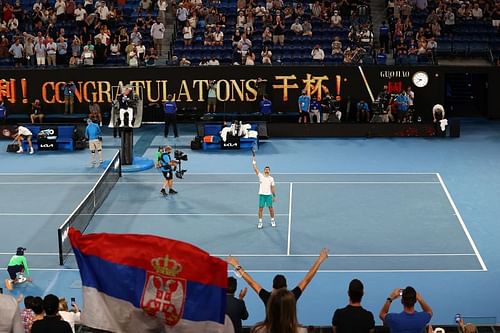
x: 409, y: 320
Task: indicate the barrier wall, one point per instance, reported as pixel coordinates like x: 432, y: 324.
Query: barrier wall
x: 238, y: 88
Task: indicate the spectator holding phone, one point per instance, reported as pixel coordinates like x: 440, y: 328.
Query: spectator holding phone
x: 409, y: 320
x: 71, y: 316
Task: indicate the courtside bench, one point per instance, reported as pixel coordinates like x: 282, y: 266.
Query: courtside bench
x: 63, y: 142
x: 214, y: 130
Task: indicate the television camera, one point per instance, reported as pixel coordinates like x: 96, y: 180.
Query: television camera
x: 179, y: 156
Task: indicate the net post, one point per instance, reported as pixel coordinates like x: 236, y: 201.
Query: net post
x: 119, y: 164
x: 61, y: 256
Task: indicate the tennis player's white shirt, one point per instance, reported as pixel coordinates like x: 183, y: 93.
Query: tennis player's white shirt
x: 24, y: 131
x: 265, y: 184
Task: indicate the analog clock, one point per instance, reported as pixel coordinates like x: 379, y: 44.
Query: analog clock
x: 420, y: 79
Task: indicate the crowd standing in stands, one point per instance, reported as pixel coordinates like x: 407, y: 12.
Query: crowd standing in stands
x: 63, y: 33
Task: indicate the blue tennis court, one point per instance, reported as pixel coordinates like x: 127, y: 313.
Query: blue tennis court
x: 392, y: 213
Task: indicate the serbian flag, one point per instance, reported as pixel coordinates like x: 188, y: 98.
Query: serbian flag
x: 142, y: 283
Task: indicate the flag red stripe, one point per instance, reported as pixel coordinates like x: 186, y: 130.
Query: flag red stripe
x: 138, y: 251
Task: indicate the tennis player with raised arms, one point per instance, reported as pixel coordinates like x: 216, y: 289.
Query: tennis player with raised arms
x: 267, y: 191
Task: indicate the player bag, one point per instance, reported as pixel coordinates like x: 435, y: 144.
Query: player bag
x: 13, y: 147
x: 196, y: 143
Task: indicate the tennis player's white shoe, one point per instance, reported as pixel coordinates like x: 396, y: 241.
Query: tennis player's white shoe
x: 273, y: 223
x: 259, y: 225
x: 32, y: 151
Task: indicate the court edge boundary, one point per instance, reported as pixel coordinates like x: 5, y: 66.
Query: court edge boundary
x: 462, y: 223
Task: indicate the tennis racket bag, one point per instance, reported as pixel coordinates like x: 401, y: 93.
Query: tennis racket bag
x: 196, y: 143
x: 12, y: 148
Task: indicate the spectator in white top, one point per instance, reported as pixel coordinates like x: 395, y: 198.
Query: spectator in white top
x: 41, y: 54
x: 51, y: 52
x: 477, y: 12
x: 241, y: 20
x: 266, y: 55
x: 244, y: 44
x: 260, y: 11
x: 316, y: 9
x: 103, y: 12
x: 182, y: 14
x: 297, y: 27
x: 60, y: 7
x: 145, y: 6
x: 213, y: 62
x: 80, y: 14
x: 218, y: 37
x: 449, y: 21
x: 366, y: 37
x: 17, y: 50
x: 13, y: 23
x: 187, y: 33
x: 336, y: 20
x: 157, y: 33
x: 162, y: 9
x: 184, y: 62
x: 135, y: 36
x: 317, y: 54
x: 73, y: 316
x: 10, y: 320
x: 336, y: 46
x: 37, y: 5
x: 307, y: 29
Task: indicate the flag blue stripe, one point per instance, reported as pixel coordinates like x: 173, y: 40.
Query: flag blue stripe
x: 203, y: 302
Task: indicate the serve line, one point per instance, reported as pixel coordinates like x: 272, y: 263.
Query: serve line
x: 464, y: 227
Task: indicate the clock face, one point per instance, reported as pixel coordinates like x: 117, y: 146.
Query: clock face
x: 420, y: 79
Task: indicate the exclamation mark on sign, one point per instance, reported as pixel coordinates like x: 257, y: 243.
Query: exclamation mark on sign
x: 339, y: 81
x: 24, y: 88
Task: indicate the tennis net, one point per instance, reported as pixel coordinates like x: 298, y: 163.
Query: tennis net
x: 82, y: 215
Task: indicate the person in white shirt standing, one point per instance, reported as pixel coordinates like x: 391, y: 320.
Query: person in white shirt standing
x: 23, y: 133
x: 157, y: 33
x: 267, y: 192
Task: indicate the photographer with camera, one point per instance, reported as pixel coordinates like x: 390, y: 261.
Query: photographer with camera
x: 167, y: 165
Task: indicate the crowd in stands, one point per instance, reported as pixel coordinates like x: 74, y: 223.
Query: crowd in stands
x: 81, y: 33
x: 418, y: 29
x: 39, y: 33
x: 249, y: 32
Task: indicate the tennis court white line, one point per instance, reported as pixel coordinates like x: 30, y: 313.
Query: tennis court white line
x: 351, y: 255
x: 219, y: 183
x: 289, y: 220
x: 300, y: 271
x: 216, y: 173
x: 41, y: 254
x: 464, y: 227
x: 132, y: 214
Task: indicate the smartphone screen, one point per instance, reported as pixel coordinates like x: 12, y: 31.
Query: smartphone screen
x: 401, y: 292
x: 458, y: 317
x: 1, y: 290
x: 73, y: 300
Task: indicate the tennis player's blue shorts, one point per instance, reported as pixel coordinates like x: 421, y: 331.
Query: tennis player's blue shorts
x: 265, y: 200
